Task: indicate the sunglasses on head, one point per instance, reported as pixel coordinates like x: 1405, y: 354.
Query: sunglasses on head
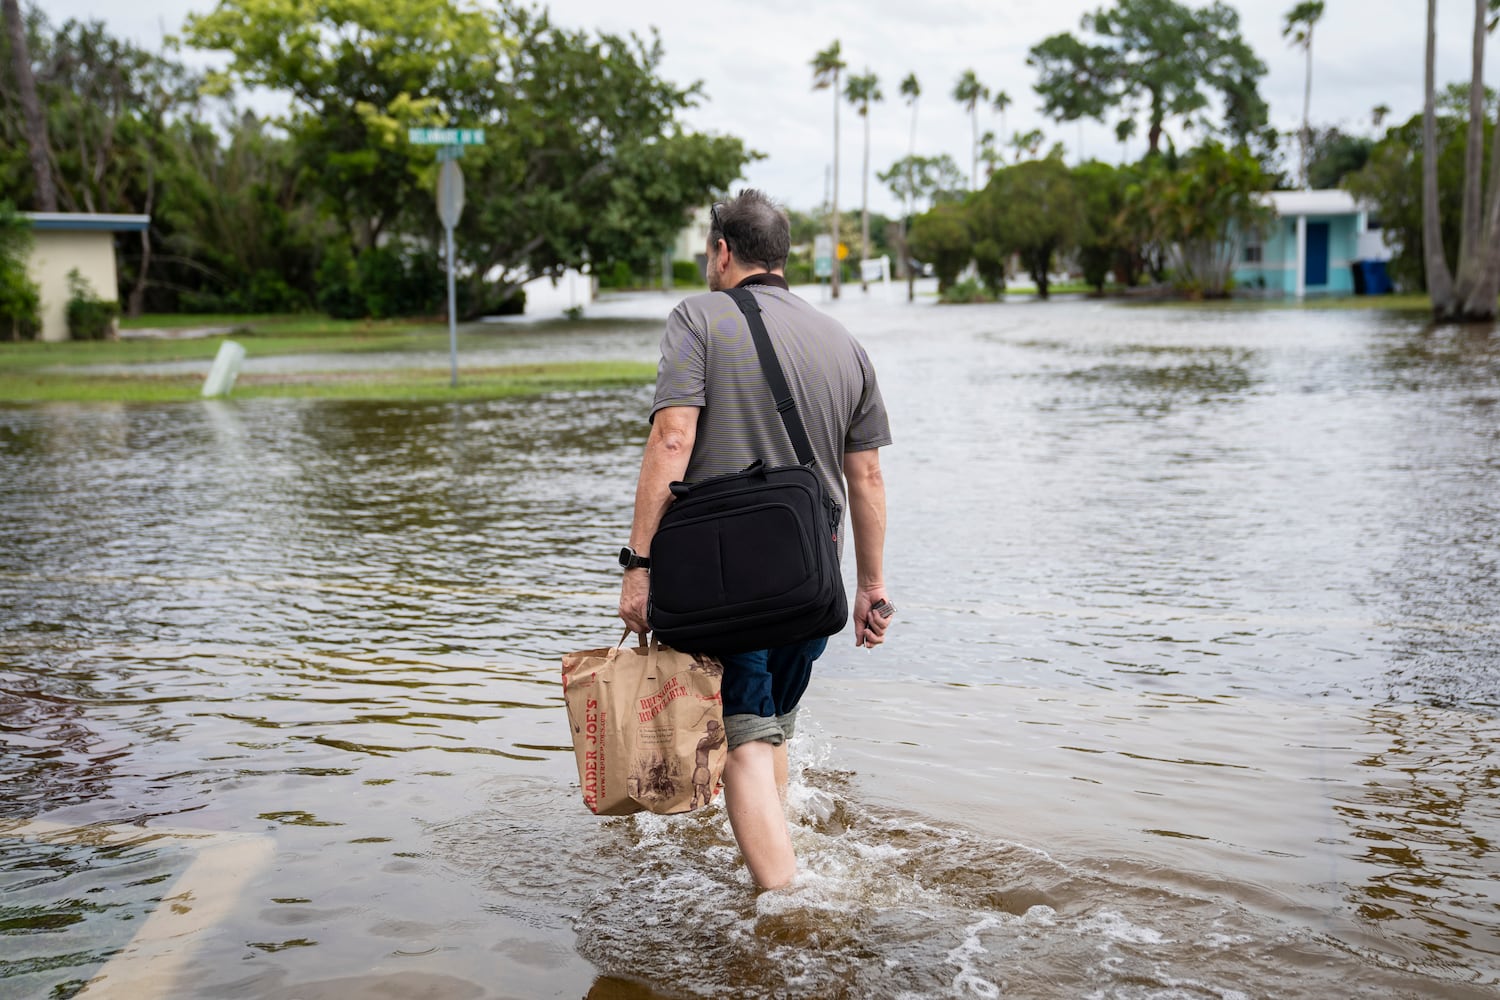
x: 718, y: 223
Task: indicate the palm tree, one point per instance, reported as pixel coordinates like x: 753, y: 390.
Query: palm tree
x: 861, y: 91
x: 1473, y: 251
x: 1002, y: 101
x: 826, y: 66
x: 1378, y: 114
x: 1125, y: 131
x: 990, y: 154
x: 969, y: 92
x: 1027, y: 143
x: 1439, y: 278
x: 1299, y: 28
x: 31, y: 109
x: 911, y: 89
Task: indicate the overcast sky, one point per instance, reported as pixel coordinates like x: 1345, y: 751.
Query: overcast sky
x: 753, y: 59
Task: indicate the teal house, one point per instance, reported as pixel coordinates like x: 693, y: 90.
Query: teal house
x: 1310, y: 247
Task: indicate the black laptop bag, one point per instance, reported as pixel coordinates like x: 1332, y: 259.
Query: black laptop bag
x: 750, y: 560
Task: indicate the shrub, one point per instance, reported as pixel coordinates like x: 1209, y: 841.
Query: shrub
x: 336, y: 288
x: 20, y: 300
x: 89, y: 317
x: 616, y: 275
x: 268, y: 293
x: 966, y: 292
x: 687, y: 272
x: 20, y: 306
x: 799, y: 271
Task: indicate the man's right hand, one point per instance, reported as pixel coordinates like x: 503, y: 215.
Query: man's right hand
x: 634, y: 589
x: 869, y: 624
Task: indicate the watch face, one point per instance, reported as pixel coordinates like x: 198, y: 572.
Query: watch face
x: 626, y: 554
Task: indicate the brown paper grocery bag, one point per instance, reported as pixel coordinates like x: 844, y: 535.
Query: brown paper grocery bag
x: 648, y: 727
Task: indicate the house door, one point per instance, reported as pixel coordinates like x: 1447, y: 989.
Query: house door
x: 1315, y: 273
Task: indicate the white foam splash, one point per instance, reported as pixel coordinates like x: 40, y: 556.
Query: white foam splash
x: 1113, y: 926
x: 969, y: 982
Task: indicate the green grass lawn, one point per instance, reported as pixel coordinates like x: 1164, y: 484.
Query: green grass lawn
x: 411, y: 385
x: 54, y: 372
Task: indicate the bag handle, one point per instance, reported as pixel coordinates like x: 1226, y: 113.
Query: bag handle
x: 786, y: 406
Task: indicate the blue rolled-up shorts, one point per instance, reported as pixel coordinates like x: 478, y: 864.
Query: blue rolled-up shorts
x: 761, y: 690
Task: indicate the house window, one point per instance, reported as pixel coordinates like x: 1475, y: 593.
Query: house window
x: 1254, y: 252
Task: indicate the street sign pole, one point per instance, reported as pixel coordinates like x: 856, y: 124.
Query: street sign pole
x: 450, y: 206
x: 452, y: 316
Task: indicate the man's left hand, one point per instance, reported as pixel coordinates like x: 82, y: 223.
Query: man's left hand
x: 633, y: 591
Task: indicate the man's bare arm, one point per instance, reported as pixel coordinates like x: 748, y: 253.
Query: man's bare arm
x: 665, y: 461
x: 867, y: 522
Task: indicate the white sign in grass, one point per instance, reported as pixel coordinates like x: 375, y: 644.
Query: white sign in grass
x: 226, y: 368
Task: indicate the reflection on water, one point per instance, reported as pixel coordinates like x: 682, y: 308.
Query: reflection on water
x: 1424, y: 820
x: 1193, y: 695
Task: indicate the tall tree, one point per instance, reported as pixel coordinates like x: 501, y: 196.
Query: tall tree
x: 1333, y: 154
x: 1299, y: 24
x: 1032, y: 209
x: 826, y: 67
x: 585, y: 159
x: 1478, y: 283
x: 359, y: 73
x: 862, y: 90
x: 1379, y: 113
x: 1391, y: 181
x: 968, y: 91
x: 38, y: 145
x: 1159, y: 52
x: 1002, y: 102
x: 109, y: 104
x: 941, y: 237
x: 1471, y: 261
x: 1439, y: 278
x: 911, y: 89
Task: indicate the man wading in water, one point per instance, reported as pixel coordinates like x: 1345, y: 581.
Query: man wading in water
x: 713, y: 414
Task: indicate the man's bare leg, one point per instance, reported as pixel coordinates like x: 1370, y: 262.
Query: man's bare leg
x: 781, y: 772
x: 752, y: 797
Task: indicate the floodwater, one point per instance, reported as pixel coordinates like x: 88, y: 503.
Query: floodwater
x: 1193, y: 692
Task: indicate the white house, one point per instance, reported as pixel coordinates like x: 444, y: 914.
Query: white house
x: 63, y: 241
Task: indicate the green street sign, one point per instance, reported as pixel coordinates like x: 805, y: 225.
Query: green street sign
x: 445, y: 136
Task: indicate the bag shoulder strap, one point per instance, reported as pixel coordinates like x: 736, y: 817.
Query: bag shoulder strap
x: 786, y: 406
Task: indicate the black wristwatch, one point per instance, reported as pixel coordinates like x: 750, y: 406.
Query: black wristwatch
x: 630, y: 560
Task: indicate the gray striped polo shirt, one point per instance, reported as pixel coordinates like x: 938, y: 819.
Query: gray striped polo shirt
x: 708, y: 360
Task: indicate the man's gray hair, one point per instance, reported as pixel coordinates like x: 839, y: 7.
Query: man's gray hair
x: 755, y: 227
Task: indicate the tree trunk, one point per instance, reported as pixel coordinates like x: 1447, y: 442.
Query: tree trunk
x: 838, y: 265
x: 1439, y: 278
x: 1471, y: 256
x: 37, y: 143
x: 1307, y: 109
x: 136, y: 304
x: 1153, y: 132
x: 974, y: 147
x: 136, y: 301
x: 1482, y: 300
x: 911, y: 197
